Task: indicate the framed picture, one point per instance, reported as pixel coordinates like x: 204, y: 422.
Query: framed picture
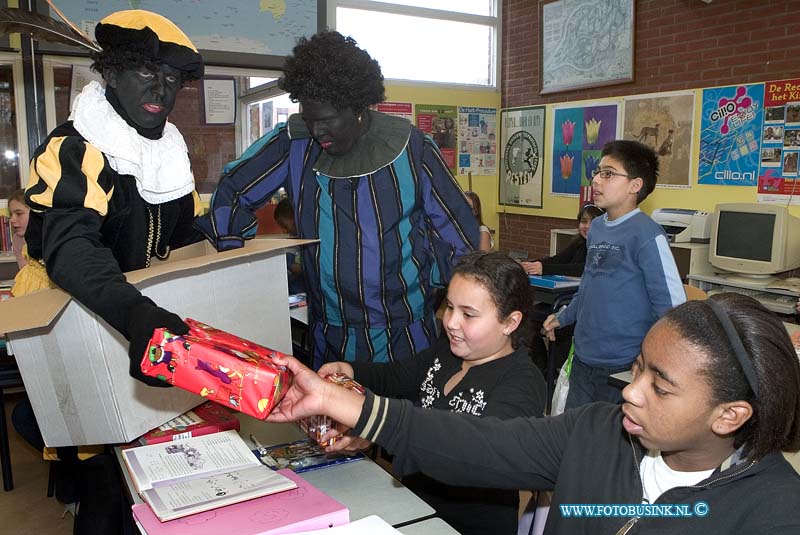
x: 522, y: 156
x: 585, y: 43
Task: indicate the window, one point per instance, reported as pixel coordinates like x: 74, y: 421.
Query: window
x: 443, y: 41
x: 13, y: 156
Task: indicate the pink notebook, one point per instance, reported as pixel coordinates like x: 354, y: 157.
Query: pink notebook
x: 302, y: 509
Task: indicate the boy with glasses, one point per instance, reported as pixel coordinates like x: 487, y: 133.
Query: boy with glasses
x: 630, y: 279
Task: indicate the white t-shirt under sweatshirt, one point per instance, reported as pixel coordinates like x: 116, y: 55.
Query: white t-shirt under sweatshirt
x: 658, y: 477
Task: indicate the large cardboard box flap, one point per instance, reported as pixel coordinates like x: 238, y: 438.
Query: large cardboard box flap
x: 75, y: 366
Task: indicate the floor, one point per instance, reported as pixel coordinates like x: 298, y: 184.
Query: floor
x: 26, y: 510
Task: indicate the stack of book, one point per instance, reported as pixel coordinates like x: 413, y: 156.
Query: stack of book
x: 195, y: 477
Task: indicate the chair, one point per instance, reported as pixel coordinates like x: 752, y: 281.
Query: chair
x: 9, y: 378
x: 694, y: 294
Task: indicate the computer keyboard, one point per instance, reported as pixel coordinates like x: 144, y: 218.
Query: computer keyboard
x: 782, y: 304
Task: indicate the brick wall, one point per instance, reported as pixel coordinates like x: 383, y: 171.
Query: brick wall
x: 679, y: 44
x: 210, y: 146
x: 530, y: 233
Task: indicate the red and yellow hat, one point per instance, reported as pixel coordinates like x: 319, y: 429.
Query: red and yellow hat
x: 157, y: 36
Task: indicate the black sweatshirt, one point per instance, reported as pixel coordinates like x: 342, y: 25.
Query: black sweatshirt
x: 570, y: 261
x: 504, y: 388
x: 586, y: 457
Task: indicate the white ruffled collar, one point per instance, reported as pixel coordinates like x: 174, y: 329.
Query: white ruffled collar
x: 161, y: 166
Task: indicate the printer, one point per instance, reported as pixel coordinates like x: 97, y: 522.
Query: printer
x: 684, y: 225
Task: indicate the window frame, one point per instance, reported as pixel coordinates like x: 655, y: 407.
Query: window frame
x: 15, y: 60
x: 438, y: 14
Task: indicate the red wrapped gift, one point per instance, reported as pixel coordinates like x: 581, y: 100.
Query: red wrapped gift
x: 219, y: 366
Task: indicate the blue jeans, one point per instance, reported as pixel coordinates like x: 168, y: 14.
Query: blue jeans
x: 590, y: 383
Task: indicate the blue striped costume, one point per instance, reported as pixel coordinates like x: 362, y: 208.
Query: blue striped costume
x: 390, y: 218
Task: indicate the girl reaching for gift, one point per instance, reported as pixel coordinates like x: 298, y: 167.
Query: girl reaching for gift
x: 480, y: 368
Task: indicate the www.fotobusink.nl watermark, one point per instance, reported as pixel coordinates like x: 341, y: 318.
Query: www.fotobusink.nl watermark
x: 625, y: 510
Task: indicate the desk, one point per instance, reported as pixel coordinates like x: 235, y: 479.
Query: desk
x: 432, y: 526
x: 362, y: 486
x: 777, y: 300
x: 299, y: 314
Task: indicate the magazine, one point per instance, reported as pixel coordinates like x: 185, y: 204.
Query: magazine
x: 302, y: 456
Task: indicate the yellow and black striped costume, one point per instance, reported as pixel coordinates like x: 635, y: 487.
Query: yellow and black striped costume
x: 89, y: 224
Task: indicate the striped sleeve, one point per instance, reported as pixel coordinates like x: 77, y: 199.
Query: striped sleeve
x: 68, y: 173
x: 454, y: 227
x: 246, y: 186
x: 373, y: 416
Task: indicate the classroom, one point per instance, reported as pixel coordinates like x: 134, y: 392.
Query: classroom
x: 276, y: 159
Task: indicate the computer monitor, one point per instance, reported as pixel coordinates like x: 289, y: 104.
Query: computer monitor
x: 754, y: 240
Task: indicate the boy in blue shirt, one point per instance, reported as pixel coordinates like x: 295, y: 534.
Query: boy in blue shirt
x: 630, y: 279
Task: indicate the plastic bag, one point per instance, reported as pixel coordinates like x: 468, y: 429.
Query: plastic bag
x: 562, y: 385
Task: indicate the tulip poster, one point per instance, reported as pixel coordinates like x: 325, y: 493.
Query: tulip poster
x: 578, y: 137
x: 521, y: 165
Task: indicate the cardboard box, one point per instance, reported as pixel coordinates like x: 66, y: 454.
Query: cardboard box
x: 75, y: 366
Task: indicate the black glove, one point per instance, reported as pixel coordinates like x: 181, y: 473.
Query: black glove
x: 143, y: 319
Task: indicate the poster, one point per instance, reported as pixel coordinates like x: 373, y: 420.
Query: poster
x: 266, y: 117
x: 730, y: 135
x: 664, y: 121
x: 477, y: 141
x: 778, y: 179
x: 219, y: 100
x: 522, y: 159
x: 579, y: 134
x: 398, y: 109
x: 439, y: 122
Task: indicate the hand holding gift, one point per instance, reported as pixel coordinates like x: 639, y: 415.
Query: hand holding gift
x: 323, y: 429
x: 219, y: 366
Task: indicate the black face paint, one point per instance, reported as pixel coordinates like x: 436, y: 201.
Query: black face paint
x: 146, y: 95
x: 335, y: 130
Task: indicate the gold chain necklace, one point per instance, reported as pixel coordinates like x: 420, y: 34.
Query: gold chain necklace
x: 154, y: 236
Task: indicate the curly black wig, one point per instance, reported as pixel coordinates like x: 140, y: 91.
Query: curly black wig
x: 331, y: 68
x: 118, y: 59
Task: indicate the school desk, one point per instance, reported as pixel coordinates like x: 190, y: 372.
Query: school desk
x: 432, y: 526
x: 362, y: 486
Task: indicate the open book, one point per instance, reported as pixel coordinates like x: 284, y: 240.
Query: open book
x: 184, y: 477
